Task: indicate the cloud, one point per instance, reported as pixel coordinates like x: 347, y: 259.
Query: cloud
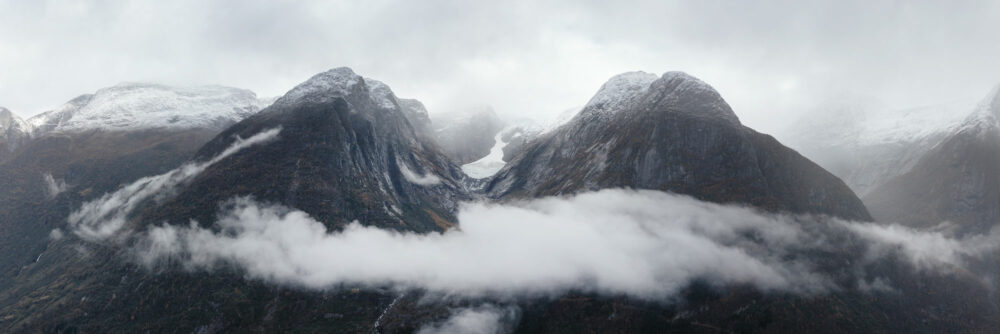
x: 484, y: 319
x: 927, y: 250
x: 103, y: 217
x: 53, y: 187
x: 424, y: 180
x: 528, y: 58
x: 645, y: 244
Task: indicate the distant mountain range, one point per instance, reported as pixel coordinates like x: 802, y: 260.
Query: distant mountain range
x: 344, y: 148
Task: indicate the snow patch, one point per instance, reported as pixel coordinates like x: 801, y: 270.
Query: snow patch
x: 381, y: 94
x: 618, y: 91
x: 337, y: 82
x: 490, y: 164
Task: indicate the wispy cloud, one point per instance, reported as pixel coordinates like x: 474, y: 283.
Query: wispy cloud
x: 428, y: 179
x: 53, y: 187
x: 103, y: 217
x: 483, y: 319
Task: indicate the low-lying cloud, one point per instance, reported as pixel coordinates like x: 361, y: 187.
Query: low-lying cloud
x: 422, y: 180
x: 642, y: 243
x: 101, y: 218
x: 53, y: 187
x: 645, y: 244
x: 483, y: 319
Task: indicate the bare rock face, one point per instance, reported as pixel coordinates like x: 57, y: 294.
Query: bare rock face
x: 673, y: 134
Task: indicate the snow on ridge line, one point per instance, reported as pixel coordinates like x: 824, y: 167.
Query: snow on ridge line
x: 139, y: 106
x: 9, y: 120
x: 619, y: 90
x: 340, y: 80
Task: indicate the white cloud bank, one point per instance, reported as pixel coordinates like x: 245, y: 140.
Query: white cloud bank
x: 645, y: 244
x: 103, y: 217
x: 484, y: 319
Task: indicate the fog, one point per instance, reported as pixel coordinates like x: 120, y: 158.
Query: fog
x: 645, y: 244
x: 770, y: 60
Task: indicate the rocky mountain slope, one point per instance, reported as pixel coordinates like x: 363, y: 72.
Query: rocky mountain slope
x: 347, y: 151
x: 93, y: 145
x: 866, y: 144
x: 344, y: 150
x: 955, y: 181
x: 672, y: 133
x: 342, y: 147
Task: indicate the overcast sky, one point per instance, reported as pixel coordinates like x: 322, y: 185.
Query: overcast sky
x: 770, y: 60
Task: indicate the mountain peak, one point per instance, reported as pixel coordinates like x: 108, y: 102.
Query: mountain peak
x: 381, y: 94
x: 618, y: 91
x: 9, y: 120
x: 337, y: 82
x: 986, y: 116
x: 991, y: 104
x: 681, y: 92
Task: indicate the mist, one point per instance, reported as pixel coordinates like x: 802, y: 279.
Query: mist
x: 646, y: 244
x: 769, y: 60
x: 103, y: 217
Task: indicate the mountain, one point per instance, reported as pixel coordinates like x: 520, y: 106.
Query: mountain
x: 866, y: 144
x: 468, y: 135
x: 957, y: 180
x: 144, y: 106
x: 343, y: 147
x: 347, y: 151
x: 673, y: 133
x: 95, y: 143
x: 14, y: 132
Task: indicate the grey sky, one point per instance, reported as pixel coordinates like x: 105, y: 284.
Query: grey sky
x: 770, y: 59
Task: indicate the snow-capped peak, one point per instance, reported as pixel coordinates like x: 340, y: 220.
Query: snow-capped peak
x: 615, y: 94
x: 8, y: 121
x: 381, y: 94
x: 987, y: 112
x: 140, y: 106
x: 991, y: 104
x: 338, y: 82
